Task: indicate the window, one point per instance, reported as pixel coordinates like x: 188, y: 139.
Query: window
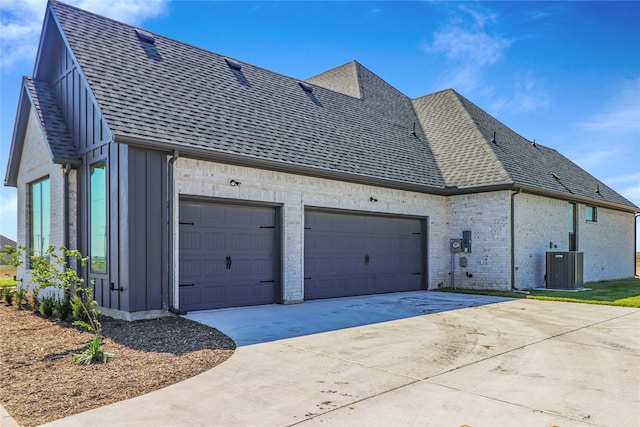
x: 40, y: 216
x: 98, y: 218
x: 573, y: 244
x: 591, y: 213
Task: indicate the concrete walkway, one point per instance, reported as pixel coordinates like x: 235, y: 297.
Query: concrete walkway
x: 513, y: 363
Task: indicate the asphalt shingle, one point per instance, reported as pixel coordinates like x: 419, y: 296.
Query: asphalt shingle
x: 51, y: 120
x: 171, y: 91
x: 352, y: 123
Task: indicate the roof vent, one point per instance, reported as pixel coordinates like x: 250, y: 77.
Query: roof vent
x: 534, y: 143
x: 494, y: 137
x: 234, y: 65
x: 555, y: 176
x: 598, y: 188
x: 145, y: 36
x: 306, y: 87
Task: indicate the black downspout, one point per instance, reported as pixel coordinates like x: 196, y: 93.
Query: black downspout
x: 65, y: 205
x: 172, y: 160
x: 513, y: 239
x: 635, y: 244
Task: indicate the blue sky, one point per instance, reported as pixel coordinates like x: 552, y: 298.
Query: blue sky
x: 566, y: 74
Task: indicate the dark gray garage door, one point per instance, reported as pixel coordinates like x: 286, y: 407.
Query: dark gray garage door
x: 347, y: 254
x: 226, y: 255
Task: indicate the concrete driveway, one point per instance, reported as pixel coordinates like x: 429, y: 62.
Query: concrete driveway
x: 510, y: 363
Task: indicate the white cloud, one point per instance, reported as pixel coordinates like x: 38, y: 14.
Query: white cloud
x: 621, y: 114
x: 9, y: 214
x: 21, y: 22
x: 628, y: 185
x: 469, y: 48
x: 528, y: 94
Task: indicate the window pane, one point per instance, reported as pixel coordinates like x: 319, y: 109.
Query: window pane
x: 98, y: 219
x: 40, y: 202
x: 572, y: 227
x: 590, y: 213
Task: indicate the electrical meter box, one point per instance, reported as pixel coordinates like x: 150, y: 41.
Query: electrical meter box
x: 466, y: 241
x: 455, y: 245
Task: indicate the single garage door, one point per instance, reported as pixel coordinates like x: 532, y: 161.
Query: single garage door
x: 227, y: 255
x: 350, y: 254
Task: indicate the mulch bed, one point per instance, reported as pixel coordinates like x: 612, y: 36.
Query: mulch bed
x: 40, y: 383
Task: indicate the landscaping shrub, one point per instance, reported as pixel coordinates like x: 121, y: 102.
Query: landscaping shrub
x: 46, y: 306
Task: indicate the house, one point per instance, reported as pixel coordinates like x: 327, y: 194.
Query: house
x: 196, y: 181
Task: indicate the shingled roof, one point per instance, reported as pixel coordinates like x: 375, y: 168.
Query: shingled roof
x: 52, y: 123
x: 349, y: 123
x: 190, y: 98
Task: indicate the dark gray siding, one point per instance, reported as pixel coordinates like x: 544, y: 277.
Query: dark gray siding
x: 147, y: 229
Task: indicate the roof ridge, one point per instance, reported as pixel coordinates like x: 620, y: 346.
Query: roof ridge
x: 347, y: 82
x: 476, y: 126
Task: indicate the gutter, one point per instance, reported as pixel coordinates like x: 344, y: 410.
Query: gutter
x: 65, y: 206
x: 202, y: 153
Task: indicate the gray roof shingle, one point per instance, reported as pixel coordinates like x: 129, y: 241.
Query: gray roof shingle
x: 461, y: 137
x: 353, y: 123
x: 171, y: 91
x: 52, y: 122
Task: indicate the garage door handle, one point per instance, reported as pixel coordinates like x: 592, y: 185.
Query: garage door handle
x: 229, y: 263
x: 366, y: 260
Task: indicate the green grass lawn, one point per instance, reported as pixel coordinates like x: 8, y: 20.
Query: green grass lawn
x: 6, y: 275
x: 625, y: 293
x: 7, y: 282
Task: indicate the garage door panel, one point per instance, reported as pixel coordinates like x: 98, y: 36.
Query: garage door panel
x: 350, y: 254
x: 190, y: 269
x: 190, y: 240
x: 213, y: 240
x: 227, y: 254
x: 213, y: 266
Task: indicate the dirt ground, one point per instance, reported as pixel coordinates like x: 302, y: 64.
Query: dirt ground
x: 40, y: 383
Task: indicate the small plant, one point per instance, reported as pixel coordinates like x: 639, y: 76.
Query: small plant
x: 93, y: 353
x: 7, y: 295
x: 62, y: 308
x: 51, y: 270
x: 46, y: 306
x: 77, y: 308
x: 21, y: 296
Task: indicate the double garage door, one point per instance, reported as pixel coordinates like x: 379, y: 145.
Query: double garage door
x: 348, y: 255
x: 229, y: 255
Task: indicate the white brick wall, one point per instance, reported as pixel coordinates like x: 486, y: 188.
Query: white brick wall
x: 608, y: 244
x: 35, y: 164
x: 294, y: 193
x: 488, y: 217
x: 541, y: 222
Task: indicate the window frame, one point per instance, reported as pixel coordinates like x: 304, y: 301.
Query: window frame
x: 594, y: 213
x: 93, y: 218
x: 44, y: 219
